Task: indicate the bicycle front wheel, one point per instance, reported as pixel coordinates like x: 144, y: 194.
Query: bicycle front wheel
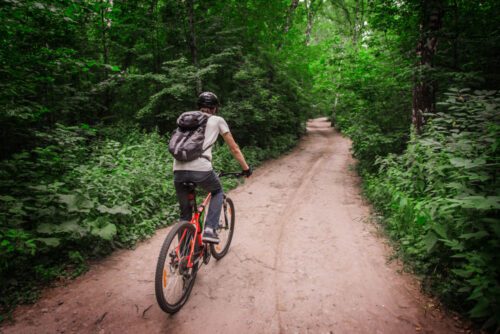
x: 173, y: 279
x: 225, y: 230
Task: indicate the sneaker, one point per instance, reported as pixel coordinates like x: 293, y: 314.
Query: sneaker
x: 210, y: 236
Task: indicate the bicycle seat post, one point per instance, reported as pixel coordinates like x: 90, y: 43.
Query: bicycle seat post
x: 190, y: 186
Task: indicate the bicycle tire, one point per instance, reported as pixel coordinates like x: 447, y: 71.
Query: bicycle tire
x: 225, y: 230
x: 167, y: 269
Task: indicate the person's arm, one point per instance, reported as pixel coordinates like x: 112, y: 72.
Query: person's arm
x: 235, y: 150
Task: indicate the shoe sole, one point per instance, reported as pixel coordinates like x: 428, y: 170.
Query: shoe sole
x: 210, y: 240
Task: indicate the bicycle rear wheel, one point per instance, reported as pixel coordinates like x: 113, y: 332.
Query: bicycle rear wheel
x: 173, y: 279
x: 225, y: 230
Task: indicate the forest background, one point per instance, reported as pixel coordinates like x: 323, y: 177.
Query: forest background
x: 91, y: 90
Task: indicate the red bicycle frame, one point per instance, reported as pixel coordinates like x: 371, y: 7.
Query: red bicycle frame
x: 195, y: 220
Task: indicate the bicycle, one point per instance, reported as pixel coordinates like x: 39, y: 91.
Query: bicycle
x: 183, y: 251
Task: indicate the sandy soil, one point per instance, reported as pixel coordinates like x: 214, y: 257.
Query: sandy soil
x: 304, y: 259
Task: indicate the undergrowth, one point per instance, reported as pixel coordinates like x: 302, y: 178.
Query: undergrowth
x: 82, y: 194
x: 440, y: 201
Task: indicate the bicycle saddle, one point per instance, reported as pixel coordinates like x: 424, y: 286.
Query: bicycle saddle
x: 189, y: 185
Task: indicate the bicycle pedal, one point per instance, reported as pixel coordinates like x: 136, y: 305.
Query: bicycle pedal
x: 207, y: 256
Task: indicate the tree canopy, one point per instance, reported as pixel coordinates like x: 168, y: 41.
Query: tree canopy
x: 91, y: 90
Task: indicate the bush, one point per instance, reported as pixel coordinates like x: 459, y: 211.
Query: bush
x: 441, y: 202
x: 64, y: 201
x: 77, y: 197
x: 372, y: 103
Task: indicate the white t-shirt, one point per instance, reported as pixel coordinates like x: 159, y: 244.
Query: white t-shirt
x: 215, y: 125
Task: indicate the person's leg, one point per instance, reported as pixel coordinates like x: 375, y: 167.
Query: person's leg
x: 210, y: 182
x: 182, y: 194
x: 215, y: 209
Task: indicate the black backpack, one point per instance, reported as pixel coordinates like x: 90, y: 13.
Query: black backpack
x: 186, y: 143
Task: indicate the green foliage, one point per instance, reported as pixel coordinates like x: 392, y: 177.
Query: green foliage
x: 65, y: 203
x: 441, y: 202
x: 85, y: 202
x: 91, y: 89
x: 439, y: 197
x: 371, y: 101
x: 266, y: 114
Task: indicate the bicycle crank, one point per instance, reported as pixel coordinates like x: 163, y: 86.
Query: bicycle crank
x: 206, y: 255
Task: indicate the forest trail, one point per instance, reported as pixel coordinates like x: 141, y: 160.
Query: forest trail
x: 304, y: 259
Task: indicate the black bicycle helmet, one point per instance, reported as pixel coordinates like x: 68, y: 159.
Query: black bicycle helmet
x: 207, y: 100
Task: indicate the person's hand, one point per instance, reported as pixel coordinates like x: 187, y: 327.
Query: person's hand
x: 248, y: 171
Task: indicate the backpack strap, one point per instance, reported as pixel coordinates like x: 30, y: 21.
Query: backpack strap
x: 205, y: 126
x: 206, y: 156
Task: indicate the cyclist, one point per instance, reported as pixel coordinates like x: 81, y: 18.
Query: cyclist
x: 200, y: 171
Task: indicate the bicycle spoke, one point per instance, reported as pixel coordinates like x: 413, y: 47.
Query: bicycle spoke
x: 224, y: 230
x: 174, y: 277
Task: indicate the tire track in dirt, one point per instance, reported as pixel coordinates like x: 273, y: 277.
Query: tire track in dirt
x: 303, y: 260
x: 286, y: 214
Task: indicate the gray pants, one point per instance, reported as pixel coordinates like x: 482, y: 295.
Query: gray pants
x: 209, y: 181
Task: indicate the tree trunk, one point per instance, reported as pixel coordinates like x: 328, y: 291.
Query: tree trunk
x: 358, y: 23
x: 192, y: 42
x: 456, y: 36
x: 425, y: 87
x: 105, y: 52
x: 104, y: 41
x: 289, y: 19
x: 355, y: 27
x: 337, y: 94
x: 154, y: 36
x: 310, y: 18
x: 289, y: 16
x: 127, y: 9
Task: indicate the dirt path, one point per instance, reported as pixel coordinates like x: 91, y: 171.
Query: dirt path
x: 303, y: 260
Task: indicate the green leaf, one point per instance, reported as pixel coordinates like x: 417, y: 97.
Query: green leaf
x: 421, y: 220
x: 476, y: 294
x: 440, y: 230
x: 430, y: 241
x: 466, y: 163
x: 38, y: 5
x: 403, y: 202
x: 460, y: 256
x: 46, y: 228
x: 495, y: 225
x: 69, y: 200
x: 476, y: 235
x: 52, y: 242
x: 462, y: 273
x: 7, y: 198
x: 455, y: 185
x: 114, y: 210
x: 113, y: 68
x: 84, y: 205
x: 478, y: 202
x: 481, y: 309
x: 455, y: 245
x: 107, y: 232
x: 72, y: 226
x: 76, y: 203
